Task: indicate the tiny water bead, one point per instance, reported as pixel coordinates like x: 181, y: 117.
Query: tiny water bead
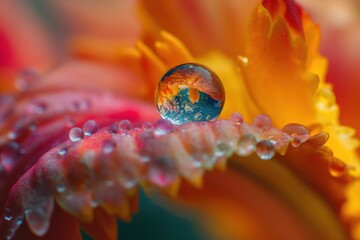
x: 189, y: 92
x: 76, y: 134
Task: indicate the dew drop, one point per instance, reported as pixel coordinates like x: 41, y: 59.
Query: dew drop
x: 125, y: 126
x: 265, y: 149
x: 90, y: 127
x: 297, y: 132
x: 236, y: 118
x: 26, y: 79
x: 60, y: 188
x: 337, y: 168
x: 76, y: 134
x: 163, y: 126
x: 262, y: 122
x: 246, y: 145
x: 188, y: 89
x: 113, y: 129
x: 8, y: 214
x: 128, y: 176
x: 37, y: 107
x: 162, y: 171
x: 62, y: 151
x: 108, y: 146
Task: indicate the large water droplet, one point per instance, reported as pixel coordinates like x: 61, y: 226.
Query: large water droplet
x: 265, y: 149
x: 38, y: 217
x: 90, y: 127
x: 189, y: 92
x: 337, y: 168
x: 162, y: 171
x: 128, y: 176
x: 76, y: 134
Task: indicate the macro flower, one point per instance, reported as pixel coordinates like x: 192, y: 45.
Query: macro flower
x: 79, y: 139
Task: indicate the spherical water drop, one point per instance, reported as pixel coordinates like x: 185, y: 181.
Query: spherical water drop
x: 298, y: 133
x: 128, y: 176
x: 246, y: 145
x: 113, y: 129
x: 90, y: 127
x: 337, y: 168
x: 189, y: 92
x: 108, y: 146
x: 125, y: 126
x: 265, y: 149
x: 62, y: 151
x: 8, y: 214
x: 236, y: 118
x: 163, y: 126
x: 162, y: 171
x: 76, y: 134
x: 262, y: 122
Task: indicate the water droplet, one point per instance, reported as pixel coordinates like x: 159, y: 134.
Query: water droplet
x: 26, y: 79
x: 62, y: 151
x: 147, y: 126
x: 108, y: 146
x: 337, y: 168
x: 113, y: 129
x: 265, y: 149
x: 9, y: 153
x: 8, y: 214
x: 246, y: 145
x: 262, y: 122
x: 38, y: 217
x: 90, y: 127
x: 37, y: 107
x: 162, y: 171
x: 163, y: 126
x: 297, y: 132
x: 127, y: 176
x: 60, y: 188
x: 236, y: 118
x: 125, y: 126
x: 188, y: 89
x: 76, y: 134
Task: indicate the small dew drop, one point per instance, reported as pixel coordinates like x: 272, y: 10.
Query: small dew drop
x: 62, y: 151
x: 246, y: 145
x: 265, y: 150
x: 236, y: 118
x: 163, y: 126
x: 162, y: 171
x: 108, y: 146
x: 262, y: 122
x: 90, y: 127
x: 337, y: 168
x: 128, y: 177
x: 60, y: 188
x: 8, y: 214
x: 125, y: 126
x: 26, y: 79
x: 37, y: 107
x: 76, y: 134
x: 113, y: 129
